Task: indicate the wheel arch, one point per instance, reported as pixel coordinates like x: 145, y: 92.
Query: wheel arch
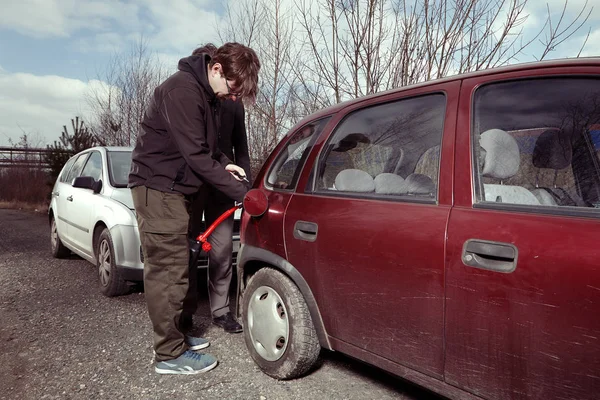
x: 251, y: 259
x: 98, y: 228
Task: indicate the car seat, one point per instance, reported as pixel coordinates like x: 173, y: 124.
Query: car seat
x: 553, y: 151
x: 339, y: 158
x: 387, y: 183
x: 354, y: 180
x: 392, y: 183
x: 423, y: 182
x: 502, y: 160
x: 429, y: 164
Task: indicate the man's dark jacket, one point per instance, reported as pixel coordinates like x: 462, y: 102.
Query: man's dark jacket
x: 177, y: 150
x: 233, y: 141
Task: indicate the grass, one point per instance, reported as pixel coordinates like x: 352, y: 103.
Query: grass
x: 25, y: 189
x: 21, y: 205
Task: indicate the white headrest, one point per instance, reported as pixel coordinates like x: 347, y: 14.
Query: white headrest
x: 502, y: 157
x: 386, y: 183
x: 354, y: 180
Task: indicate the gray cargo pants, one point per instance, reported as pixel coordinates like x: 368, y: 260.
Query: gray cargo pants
x: 219, y: 257
x: 163, y: 225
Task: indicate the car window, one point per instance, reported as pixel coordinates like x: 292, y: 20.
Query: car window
x: 536, y: 142
x: 119, y: 164
x: 286, y: 169
x: 391, y: 149
x: 66, y: 169
x: 93, y: 166
x: 77, y: 167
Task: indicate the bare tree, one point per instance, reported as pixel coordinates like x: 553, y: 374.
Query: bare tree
x: 321, y: 52
x: 267, y: 27
x: 371, y: 45
x: 27, y: 140
x: 118, y: 105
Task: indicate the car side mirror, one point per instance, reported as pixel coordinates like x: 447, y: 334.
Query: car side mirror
x: 87, y: 182
x: 256, y: 203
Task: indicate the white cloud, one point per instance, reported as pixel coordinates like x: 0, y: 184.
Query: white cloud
x: 169, y: 60
x: 108, y: 24
x: 35, y: 18
x: 108, y: 42
x: 181, y: 25
x: 39, y: 105
x: 592, y: 46
x: 61, y: 18
x: 573, y: 7
x: 536, y: 14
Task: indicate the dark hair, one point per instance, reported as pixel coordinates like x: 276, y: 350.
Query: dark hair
x: 241, y: 65
x: 207, y: 48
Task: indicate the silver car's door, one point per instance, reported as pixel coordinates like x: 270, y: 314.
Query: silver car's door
x: 59, y: 195
x: 82, y: 204
x: 65, y: 211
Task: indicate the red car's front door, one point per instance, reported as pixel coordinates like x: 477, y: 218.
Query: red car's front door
x: 523, y: 276
x: 374, y: 255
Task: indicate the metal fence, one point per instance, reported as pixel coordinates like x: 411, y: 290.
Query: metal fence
x: 31, y: 158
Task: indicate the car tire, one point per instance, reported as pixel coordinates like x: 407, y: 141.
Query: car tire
x: 58, y: 248
x: 109, y: 275
x: 278, y: 329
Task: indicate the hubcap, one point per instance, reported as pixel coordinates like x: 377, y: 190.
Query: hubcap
x: 268, y: 323
x: 53, y: 235
x: 104, y: 260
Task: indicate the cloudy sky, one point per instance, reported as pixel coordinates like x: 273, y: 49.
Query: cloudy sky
x: 52, y: 51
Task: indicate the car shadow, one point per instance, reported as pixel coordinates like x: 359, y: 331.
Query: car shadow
x: 374, y: 375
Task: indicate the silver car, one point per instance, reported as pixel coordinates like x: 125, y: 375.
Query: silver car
x: 91, y: 214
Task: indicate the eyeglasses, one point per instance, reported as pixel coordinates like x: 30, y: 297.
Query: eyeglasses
x: 229, y: 92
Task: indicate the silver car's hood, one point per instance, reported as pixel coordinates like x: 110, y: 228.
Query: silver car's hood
x: 123, y: 195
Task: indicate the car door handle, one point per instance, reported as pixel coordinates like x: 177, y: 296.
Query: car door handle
x: 70, y: 198
x: 306, y: 231
x: 493, y: 256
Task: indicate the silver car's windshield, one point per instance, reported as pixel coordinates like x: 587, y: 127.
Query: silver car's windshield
x: 119, y: 163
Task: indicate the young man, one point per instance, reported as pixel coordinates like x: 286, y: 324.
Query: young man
x: 177, y: 156
x: 234, y: 144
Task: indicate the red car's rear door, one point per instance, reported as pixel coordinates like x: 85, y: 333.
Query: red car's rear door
x: 523, y: 277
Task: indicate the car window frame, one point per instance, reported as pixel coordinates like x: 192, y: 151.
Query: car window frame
x: 84, y: 156
x: 311, y: 187
x: 91, y: 154
x: 62, y: 178
x: 321, y: 124
x: 476, y: 182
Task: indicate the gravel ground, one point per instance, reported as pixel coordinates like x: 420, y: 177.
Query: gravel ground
x: 61, y: 339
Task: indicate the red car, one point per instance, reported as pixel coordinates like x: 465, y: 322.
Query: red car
x: 446, y: 232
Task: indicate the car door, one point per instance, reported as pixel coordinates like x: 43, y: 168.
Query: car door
x: 66, y: 213
x: 280, y: 183
x: 368, y: 234
x: 83, y: 202
x: 60, y: 200
x: 523, y: 282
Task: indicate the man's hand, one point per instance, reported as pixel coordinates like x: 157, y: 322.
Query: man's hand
x: 237, y: 172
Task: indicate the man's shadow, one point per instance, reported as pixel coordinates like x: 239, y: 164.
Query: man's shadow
x: 202, y: 318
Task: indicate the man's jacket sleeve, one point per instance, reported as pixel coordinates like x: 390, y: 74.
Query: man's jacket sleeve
x: 185, y: 122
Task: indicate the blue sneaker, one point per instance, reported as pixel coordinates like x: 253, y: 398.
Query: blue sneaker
x: 187, y: 364
x: 196, y: 343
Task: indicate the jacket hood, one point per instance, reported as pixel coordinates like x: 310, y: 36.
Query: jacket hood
x: 197, y: 66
